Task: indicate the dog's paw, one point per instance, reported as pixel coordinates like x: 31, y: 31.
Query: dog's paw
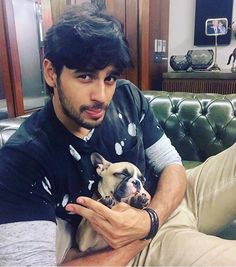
x: 107, y: 201
x: 139, y: 201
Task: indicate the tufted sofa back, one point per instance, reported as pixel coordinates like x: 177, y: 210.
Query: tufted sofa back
x: 199, y: 125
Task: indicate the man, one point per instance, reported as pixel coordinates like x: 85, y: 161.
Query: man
x: 47, y: 179
x: 216, y: 28
x: 221, y: 28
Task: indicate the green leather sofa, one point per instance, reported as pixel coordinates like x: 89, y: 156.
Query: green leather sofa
x: 199, y: 125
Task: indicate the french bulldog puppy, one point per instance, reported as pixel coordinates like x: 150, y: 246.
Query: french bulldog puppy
x: 121, y: 181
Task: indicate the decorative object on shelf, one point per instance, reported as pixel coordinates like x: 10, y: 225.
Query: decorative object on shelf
x: 180, y: 62
x: 201, y: 59
x: 232, y: 55
x: 234, y: 28
x: 101, y: 4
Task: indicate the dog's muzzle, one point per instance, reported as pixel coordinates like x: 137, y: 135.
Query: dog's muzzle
x: 127, y: 188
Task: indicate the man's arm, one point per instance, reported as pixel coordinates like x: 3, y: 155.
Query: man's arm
x: 170, y: 191
x: 124, y: 226
x: 28, y: 243
x: 112, y: 257
x: 165, y: 160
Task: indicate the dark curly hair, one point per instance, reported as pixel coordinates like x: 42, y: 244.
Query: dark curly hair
x: 86, y: 39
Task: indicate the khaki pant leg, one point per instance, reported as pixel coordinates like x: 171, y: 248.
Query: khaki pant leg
x: 211, y: 191
x: 209, y: 205
x: 178, y: 243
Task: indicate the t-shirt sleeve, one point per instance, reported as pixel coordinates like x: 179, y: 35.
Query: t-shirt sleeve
x: 31, y: 243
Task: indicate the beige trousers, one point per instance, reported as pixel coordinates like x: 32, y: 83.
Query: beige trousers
x: 187, y: 238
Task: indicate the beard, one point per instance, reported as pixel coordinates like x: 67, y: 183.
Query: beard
x: 76, y: 115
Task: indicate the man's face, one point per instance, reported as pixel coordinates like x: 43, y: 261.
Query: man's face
x: 83, y: 97
x: 215, y: 23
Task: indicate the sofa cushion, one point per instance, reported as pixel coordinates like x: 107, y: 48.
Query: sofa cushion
x: 6, y: 133
x: 190, y: 164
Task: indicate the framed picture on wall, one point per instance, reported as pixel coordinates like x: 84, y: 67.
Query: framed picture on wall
x: 206, y: 12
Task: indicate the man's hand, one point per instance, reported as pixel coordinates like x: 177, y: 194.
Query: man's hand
x: 119, y: 226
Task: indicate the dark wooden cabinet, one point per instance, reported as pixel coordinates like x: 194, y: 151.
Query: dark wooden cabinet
x: 200, y: 82
x: 153, y: 24
x: 9, y: 61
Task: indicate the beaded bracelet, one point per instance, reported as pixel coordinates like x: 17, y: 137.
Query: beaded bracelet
x: 154, y: 223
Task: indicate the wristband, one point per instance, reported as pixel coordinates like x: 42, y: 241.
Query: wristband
x: 154, y: 223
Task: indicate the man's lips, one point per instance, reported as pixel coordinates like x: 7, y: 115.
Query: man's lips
x: 95, y: 113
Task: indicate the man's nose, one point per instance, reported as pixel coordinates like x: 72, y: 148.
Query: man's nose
x: 99, y: 92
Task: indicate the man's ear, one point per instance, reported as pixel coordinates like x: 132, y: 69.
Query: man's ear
x: 49, y: 73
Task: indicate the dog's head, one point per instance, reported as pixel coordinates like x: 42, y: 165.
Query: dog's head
x: 121, y: 180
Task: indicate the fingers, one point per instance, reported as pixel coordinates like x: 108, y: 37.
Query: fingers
x: 89, y: 208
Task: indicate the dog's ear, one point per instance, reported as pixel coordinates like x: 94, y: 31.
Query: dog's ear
x: 99, y: 162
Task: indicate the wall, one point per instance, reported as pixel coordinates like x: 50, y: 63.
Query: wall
x: 181, y: 32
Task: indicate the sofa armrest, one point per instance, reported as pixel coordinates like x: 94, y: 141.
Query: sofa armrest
x: 9, y: 126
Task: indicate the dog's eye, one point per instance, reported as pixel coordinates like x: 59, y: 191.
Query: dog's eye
x: 122, y: 175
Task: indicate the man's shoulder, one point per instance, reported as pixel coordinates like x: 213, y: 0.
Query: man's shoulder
x: 125, y: 89
x: 30, y: 134
x: 27, y: 131
x: 122, y: 82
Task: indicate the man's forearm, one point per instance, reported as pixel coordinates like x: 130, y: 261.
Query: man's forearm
x: 113, y: 257
x: 170, y: 191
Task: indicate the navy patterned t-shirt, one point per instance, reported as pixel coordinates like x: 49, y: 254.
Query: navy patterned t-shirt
x: 43, y: 166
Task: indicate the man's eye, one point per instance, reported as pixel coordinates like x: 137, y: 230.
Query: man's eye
x: 111, y: 79
x: 84, y: 77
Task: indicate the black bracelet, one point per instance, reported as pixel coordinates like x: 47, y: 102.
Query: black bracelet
x: 154, y: 223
